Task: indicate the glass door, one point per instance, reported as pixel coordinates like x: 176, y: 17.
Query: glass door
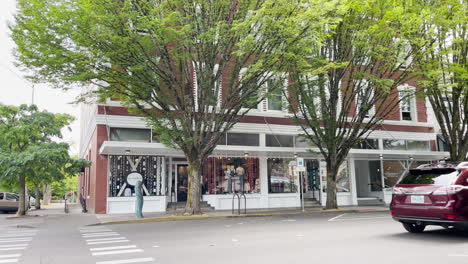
x: 181, y: 182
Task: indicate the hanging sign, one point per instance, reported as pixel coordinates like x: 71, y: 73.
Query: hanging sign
x: 133, y: 178
x: 300, y: 162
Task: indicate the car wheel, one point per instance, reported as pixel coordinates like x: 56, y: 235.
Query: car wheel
x: 414, y: 228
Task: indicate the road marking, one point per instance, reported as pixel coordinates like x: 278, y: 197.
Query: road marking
x: 336, y: 217
x: 12, y: 248
x: 111, y: 248
x: 125, y: 261
x: 10, y: 256
x: 15, y: 240
x: 16, y: 235
x: 8, y: 260
x: 117, y: 252
x: 107, y: 238
x: 457, y: 255
x: 17, y: 245
x: 95, y: 230
x: 156, y: 246
x: 98, y: 233
x: 107, y: 242
x: 22, y: 231
x: 103, y: 235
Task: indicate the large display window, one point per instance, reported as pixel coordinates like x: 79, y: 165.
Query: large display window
x: 228, y: 175
x: 282, y: 176
x: 126, y: 170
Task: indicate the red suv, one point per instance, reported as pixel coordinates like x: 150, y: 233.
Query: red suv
x: 435, y: 194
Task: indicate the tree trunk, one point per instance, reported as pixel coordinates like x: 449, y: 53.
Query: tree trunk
x: 37, y: 192
x: 193, y: 195
x: 47, y: 196
x: 331, y: 187
x: 22, y: 194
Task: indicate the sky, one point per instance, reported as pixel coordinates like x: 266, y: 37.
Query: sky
x: 16, y: 90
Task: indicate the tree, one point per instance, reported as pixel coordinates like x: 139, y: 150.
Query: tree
x: 349, y: 86
x: 444, y: 67
x: 24, y: 131
x: 50, y: 163
x: 192, y: 68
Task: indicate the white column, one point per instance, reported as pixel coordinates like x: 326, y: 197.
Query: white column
x: 352, y: 181
x: 263, y: 182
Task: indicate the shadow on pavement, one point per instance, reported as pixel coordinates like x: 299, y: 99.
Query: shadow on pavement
x: 433, y: 236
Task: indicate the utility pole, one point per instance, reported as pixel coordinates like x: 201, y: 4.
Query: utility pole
x: 32, y: 97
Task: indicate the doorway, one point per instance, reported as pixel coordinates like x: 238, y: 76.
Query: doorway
x: 181, y: 182
x: 368, y: 181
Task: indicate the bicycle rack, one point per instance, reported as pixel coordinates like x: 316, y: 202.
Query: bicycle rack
x: 239, y: 197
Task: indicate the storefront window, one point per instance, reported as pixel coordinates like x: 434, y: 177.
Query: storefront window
x: 284, y: 141
x: 393, y: 170
x: 130, y: 134
x: 368, y: 143
x: 282, y: 176
x: 418, y: 145
x: 302, y: 142
x: 342, y: 178
x: 243, y: 139
x: 228, y: 175
x: 126, y: 170
x: 394, y: 144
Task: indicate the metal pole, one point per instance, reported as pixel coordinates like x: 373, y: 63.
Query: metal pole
x: 302, y: 191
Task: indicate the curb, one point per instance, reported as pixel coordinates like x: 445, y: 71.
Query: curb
x: 200, y: 217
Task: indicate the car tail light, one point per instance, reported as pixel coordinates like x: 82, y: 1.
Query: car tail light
x: 392, y: 212
x: 450, y: 216
x: 448, y: 190
x: 397, y: 191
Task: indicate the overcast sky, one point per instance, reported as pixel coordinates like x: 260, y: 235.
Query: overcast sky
x: 14, y: 90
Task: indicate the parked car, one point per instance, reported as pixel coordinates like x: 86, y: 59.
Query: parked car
x: 435, y: 194
x: 9, y: 202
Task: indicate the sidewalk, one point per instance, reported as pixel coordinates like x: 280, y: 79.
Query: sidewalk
x: 105, y: 219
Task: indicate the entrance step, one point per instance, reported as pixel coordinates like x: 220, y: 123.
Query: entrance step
x: 311, y: 203
x: 180, y: 207
x: 370, y: 201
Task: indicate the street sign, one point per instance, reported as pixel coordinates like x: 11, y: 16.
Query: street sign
x: 300, y: 162
x: 300, y: 169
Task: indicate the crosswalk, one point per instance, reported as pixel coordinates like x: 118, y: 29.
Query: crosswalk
x: 13, y: 243
x: 104, y: 243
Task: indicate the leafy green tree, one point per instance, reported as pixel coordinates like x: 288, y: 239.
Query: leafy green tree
x: 444, y: 66
x: 348, y: 87
x: 192, y: 68
x: 26, y: 136
x: 51, y: 163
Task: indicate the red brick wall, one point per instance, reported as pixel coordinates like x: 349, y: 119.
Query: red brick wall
x: 94, y: 180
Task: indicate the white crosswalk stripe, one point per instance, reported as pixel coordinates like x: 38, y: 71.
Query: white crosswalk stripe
x: 15, y: 245
x: 114, y: 252
x: 107, y: 242
x: 102, y: 235
x: 112, y: 248
x: 8, y: 260
x: 10, y: 256
x: 12, y: 248
x: 125, y: 261
x: 15, y: 240
x: 107, y: 238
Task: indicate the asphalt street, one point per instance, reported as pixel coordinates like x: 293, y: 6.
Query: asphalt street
x: 371, y: 237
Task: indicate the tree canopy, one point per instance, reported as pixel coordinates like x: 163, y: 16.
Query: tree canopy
x: 192, y: 68
x: 27, y: 147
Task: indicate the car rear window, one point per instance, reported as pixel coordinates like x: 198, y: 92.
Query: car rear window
x: 442, y: 176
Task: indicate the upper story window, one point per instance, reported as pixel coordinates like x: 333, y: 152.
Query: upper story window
x: 285, y: 141
x: 364, y: 99
x: 407, y: 102
x: 130, y: 134
x: 275, y: 94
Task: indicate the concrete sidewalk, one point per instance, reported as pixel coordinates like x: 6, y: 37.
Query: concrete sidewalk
x: 177, y: 215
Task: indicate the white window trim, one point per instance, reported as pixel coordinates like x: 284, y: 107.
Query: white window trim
x: 414, y: 111
x: 284, y: 101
